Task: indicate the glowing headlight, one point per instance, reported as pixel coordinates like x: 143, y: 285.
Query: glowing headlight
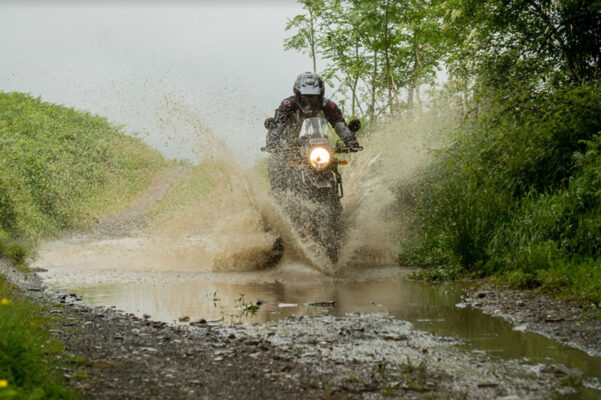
x: 319, y: 157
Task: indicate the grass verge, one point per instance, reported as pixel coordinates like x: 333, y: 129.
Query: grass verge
x: 29, y: 363
x: 61, y: 168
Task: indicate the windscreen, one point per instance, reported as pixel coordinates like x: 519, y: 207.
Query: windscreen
x: 314, y: 128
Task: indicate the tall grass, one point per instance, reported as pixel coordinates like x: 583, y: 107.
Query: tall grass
x: 29, y: 366
x: 61, y: 168
x: 517, y: 195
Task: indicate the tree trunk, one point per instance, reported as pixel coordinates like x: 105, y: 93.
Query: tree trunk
x: 417, y: 97
x: 312, y: 39
x: 355, y: 81
x: 387, y: 56
x: 414, y: 73
x: 354, y: 94
x: 374, y: 77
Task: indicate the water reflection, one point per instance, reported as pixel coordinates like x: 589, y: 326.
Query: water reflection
x: 213, y: 296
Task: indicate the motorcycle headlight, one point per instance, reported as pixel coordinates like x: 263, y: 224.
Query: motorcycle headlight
x: 319, y: 157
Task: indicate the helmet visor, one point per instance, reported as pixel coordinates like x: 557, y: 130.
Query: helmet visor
x: 309, y: 87
x: 310, y: 103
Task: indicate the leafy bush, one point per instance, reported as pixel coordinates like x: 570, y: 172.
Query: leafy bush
x: 15, y: 252
x: 518, y: 193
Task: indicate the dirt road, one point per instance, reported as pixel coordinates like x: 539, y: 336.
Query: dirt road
x: 118, y: 355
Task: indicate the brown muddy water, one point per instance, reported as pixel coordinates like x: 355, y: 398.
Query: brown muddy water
x: 295, y: 289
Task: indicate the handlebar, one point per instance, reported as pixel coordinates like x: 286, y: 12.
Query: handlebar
x: 278, y: 149
x: 348, y: 149
x: 340, y: 148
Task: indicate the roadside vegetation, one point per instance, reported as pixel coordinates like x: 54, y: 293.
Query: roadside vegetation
x: 29, y: 356
x: 60, y: 169
x: 515, y: 192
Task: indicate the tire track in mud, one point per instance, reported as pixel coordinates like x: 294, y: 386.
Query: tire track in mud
x: 133, y: 218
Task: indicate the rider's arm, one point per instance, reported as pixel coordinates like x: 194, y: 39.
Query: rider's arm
x: 334, y: 116
x: 283, y: 116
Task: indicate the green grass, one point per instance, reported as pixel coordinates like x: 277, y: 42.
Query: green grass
x: 28, y: 354
x: 516, y: 197
x: 61, y: 168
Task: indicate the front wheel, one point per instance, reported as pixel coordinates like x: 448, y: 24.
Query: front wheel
x: 327, y: 224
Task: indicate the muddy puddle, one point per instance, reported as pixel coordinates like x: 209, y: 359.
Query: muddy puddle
x: 294, y: 289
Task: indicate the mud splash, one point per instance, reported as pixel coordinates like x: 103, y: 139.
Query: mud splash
x: 394, y: 151
x: 219, y: 216
x: 238, y: 226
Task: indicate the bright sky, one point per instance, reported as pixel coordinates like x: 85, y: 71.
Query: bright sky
x: 224, y: 60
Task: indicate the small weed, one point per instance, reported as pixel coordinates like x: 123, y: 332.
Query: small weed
x: 247, y: 309
x: 409, y: 368
x: 78, y: 360
x: 415, y: 386
x: 389, y: 391
x: 22, y: 268
x: 81, y: 375
x: 352, y: 378
x: 381, y: 367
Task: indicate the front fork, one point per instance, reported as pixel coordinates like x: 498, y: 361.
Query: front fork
x: 339, y: 190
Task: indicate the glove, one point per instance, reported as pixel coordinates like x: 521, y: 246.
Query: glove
x: 353, y: 145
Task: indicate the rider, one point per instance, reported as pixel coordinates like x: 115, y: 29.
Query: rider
x: 308, y: 101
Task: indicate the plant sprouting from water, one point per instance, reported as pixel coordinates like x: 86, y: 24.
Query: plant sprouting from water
x: 247, y: 308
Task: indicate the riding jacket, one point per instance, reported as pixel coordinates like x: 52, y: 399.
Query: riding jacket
x: 289, y: 118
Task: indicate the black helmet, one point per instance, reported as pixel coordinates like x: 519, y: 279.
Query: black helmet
x: 309, y: 89
x: 308, y: 83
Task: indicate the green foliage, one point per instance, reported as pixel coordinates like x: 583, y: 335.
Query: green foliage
x: 519, y: 41
x: 305, y: 39
x: 28, y: 359
x: 372, y: 49
x: 15, y: 252
x: 61, y: 168
x: 4, y: 240
x: 517, y: 194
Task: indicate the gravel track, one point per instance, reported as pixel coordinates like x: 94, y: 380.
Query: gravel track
x: 571, y: 324
x: 114, y: 355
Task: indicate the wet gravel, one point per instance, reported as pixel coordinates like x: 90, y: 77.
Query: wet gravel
x: 114, y: 355
x: 358, y: 356
x: 570, y: 324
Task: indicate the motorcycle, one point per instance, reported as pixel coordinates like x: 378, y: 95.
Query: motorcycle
x: 306, y: 183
